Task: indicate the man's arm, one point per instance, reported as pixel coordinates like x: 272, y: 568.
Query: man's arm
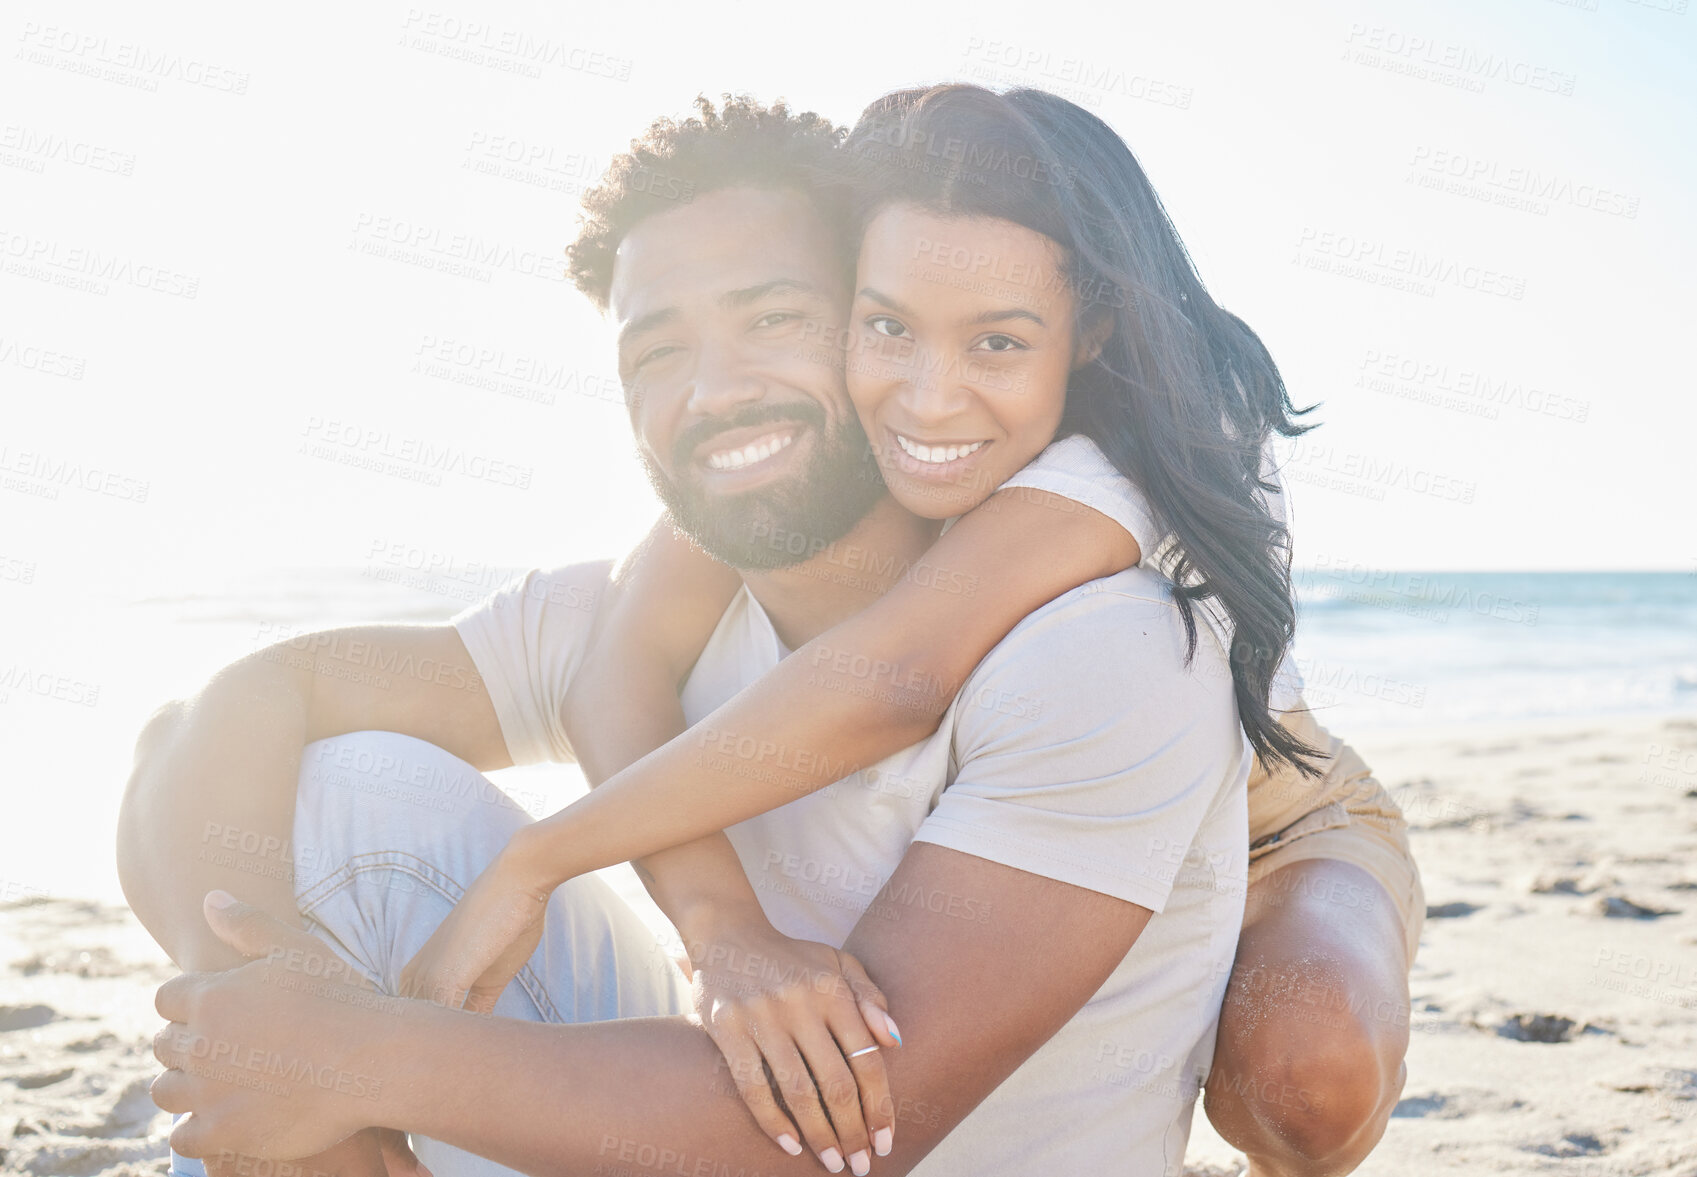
x: 210, y: 801
x: 978, y: 995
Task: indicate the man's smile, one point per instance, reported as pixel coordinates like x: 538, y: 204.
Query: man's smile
x: 735, y: 456
x: 745, y: 457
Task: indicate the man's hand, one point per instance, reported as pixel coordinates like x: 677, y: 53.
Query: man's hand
x: 360, y: 1155
x: 264, y: 1058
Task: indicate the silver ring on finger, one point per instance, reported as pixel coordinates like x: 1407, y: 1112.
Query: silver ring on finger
x: 864, y: 1050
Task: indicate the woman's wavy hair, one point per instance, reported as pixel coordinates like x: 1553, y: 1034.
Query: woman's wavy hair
x: 1184, y: 397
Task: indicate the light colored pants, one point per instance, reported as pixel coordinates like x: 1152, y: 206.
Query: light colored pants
x: 389, y: 832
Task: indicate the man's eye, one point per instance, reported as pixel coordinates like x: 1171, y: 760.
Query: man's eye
x: 886, y: 326
x: 1001, y: 343
x: 775, y: 318
x: 655, y: 353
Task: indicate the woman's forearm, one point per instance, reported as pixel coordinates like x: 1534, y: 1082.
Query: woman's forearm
x: 698, y: 883
x: 874, y: 684
x: 661, y: 609
x: 815, y: 727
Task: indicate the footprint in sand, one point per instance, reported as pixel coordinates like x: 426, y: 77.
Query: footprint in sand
x: 1618, y: 907
x: 44, y: 1078
x: 133, y: 1113
x: 1554, y: 885
x: 1537, y: 1028
x: 1420, y: 1107
x: 86, y: 1045
x: 98, y: 961
x: 1574, y: 1144
x: 1461, y: 1104
x: 1451, y: 911
x: 25, y: 1017
x: 1668, y: 1083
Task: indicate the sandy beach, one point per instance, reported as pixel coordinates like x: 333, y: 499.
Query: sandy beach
x: 1554, y: 1027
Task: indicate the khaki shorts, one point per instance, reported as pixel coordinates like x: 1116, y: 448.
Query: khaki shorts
x: 1344, y: 815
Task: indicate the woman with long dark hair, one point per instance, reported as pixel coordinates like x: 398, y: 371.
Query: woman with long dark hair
x: 1031, y: 355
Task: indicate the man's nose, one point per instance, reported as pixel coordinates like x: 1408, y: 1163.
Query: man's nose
x: 721, y: 381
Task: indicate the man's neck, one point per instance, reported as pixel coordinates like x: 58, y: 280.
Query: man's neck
x: 804, y: 600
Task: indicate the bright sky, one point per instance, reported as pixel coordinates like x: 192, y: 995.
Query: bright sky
x: 1519, y: 408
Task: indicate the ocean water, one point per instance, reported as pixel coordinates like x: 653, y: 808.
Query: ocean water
x: 82, y: 667
x: 1381, y: 649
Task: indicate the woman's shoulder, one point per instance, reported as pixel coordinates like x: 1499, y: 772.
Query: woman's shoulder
x: 1074, y: 454
x: 1075, y: 468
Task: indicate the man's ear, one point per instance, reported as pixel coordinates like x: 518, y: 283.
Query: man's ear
x: 1096, y: 327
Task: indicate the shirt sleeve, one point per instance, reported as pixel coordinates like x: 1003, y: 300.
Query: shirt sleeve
x: 1075, y: 468
x: 527, y: 641
x: 1103, y: 787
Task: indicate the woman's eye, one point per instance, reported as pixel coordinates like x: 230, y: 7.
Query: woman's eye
x: 888, y: 327
x: 775, y: 318
x: 1001, y: 343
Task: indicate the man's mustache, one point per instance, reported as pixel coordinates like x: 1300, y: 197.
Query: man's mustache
x: 802, y: 412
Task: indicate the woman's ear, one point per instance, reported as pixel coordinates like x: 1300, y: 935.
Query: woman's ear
x: 1096, y: 327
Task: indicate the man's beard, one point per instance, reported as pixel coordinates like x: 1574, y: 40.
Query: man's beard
x: 781, y: 523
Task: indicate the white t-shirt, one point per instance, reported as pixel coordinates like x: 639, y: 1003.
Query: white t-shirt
x: 1081, y: 749
x: 1076, y: 468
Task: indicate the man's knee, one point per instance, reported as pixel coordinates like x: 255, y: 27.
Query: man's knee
x: 1317, y: 1072
x: 382, y: 791
x: 389, y: 772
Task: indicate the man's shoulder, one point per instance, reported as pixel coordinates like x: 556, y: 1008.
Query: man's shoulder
x: 1108, y: 660
x: 1131, y: 609
x: 577, y: 587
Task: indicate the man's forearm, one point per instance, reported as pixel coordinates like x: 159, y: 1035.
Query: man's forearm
x: 650, y: 1094
x: 211, y: 800
x: 210, y: 804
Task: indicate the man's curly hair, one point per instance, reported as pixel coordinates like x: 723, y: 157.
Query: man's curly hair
x: 740, y: 144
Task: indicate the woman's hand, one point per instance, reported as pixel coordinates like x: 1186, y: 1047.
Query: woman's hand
x: 800, y: 1009
x: 486, y: 939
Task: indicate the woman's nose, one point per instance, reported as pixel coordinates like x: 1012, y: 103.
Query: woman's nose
x: 931, y: 390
